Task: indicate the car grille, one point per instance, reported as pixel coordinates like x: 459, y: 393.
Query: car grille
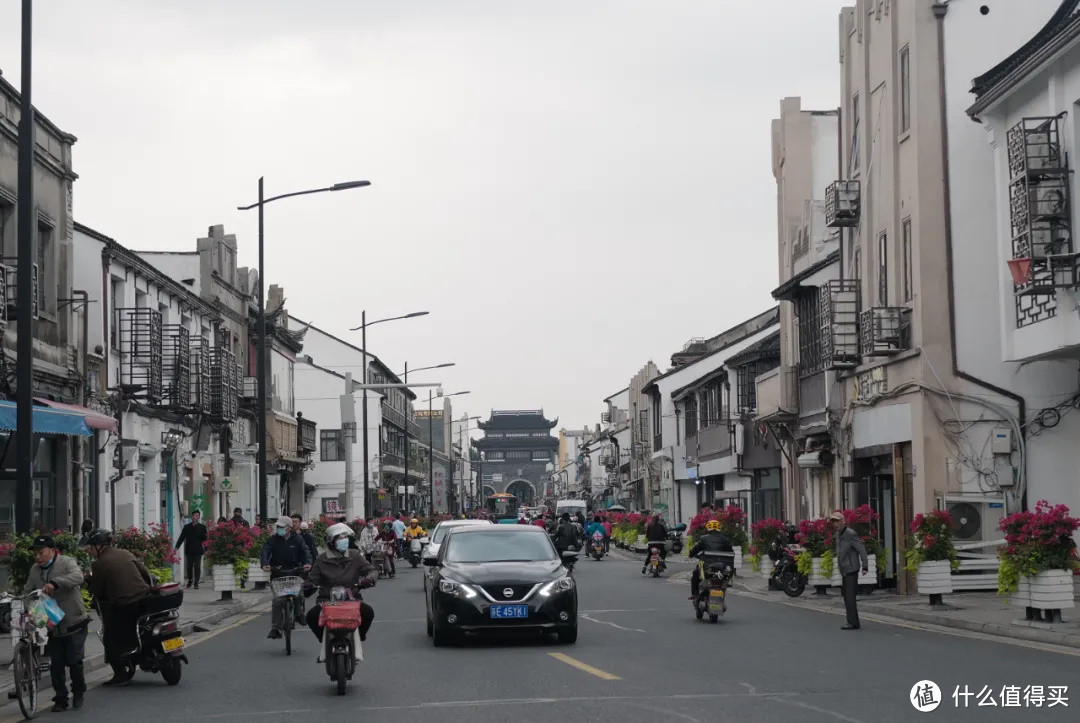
x: 497, y: 591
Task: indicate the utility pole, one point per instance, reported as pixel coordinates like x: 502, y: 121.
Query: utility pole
x: 363, y: 413
x: 348, y: 434
x: 406, y: 378
x: 24, y: 317
x: 260, y: 366
x: 431, y: 449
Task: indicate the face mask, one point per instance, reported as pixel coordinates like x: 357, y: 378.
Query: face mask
x: 49, y: 563
x: 282, y: 531
x: 342, y: 545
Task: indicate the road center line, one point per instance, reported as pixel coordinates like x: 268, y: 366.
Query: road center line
x: 574, y: 662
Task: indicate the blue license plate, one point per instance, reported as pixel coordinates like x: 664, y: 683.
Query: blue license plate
x: 509, y: 611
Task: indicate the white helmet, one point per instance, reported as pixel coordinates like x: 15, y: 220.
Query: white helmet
x: 338, y: 529
x: 303, y: 525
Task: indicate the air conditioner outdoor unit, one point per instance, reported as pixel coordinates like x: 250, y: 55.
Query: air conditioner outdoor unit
x: 975, y: 519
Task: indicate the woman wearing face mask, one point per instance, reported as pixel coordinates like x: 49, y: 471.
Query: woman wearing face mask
x: 341, y: 566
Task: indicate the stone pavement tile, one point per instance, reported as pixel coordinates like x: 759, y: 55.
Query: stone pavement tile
x: 200, y: 607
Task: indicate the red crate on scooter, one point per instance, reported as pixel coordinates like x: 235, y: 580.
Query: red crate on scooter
x: 340, y: 615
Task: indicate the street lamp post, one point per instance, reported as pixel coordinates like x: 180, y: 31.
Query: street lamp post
x: 405, y: 376
x: 260, y: 369
x: 431, y: 444
x: 460, y: 499
x: 364, y: 412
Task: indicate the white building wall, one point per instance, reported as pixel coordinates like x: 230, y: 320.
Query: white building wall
x: 985, y: 324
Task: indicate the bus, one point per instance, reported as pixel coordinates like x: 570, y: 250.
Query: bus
x: 503, y: 508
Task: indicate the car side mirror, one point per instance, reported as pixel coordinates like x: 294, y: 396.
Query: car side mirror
x: 431, y: 561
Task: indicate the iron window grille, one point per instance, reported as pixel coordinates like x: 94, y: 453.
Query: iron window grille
x: 10, y: 281
x: 885, y: 330
x: 224, y: 384
x: 808, y: 313
x: 842, y: 204
x: 1040, y: 207
x: 176, y: 366
x: 140, y: 353
x: 691, y: 415
x: 746, y: 382
x: 200, y: 374
x: 840, y: 323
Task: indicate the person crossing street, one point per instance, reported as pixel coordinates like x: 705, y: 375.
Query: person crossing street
x: 192, y: 537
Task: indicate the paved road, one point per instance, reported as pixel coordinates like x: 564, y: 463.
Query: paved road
x: 641, y: 657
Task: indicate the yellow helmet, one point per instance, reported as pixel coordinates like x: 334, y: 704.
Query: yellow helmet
x: 713, y: 525
x: 414, y: 521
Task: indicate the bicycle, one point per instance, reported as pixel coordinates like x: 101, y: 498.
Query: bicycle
x: 286, y: 588
x: 27, y: 636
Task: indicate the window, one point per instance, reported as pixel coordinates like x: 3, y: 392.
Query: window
x: 853, y: 160
x: 541, y: 455
x: 691, y: 415
x: 746, y: 376
x: 494, y: 456
x: 116, y: 301
x: 44, y: 265
x: 905, y: 89
x: 883, y: 270
x: 330, y: 447
x: 808, y: 310
x: 6, y: 210
x: 909, y: 290
x: 518, y: 454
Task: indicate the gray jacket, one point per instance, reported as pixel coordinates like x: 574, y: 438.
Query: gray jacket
x: 65, y: 574
x: 850, y: 552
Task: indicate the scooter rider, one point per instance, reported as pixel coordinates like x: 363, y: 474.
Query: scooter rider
x: 414, y: 530
x: 119, y: 581
x: 286, y: 552
x: 345, y: 567
x: 712, y: 541
x: 655, y: 532
x: 595, y: 526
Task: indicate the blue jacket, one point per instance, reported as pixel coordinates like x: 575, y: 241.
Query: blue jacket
x: 593, y: 528
x: 288, y: 552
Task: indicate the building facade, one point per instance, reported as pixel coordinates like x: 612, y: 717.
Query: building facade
x: 517, y: 450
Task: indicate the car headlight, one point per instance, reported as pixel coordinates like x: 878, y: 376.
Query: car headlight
x: 563, y: 584
x: 455, y: 588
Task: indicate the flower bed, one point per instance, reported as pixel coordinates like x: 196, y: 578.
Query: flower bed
x: 762, y: 534
x: 931, y: 554
x: 154, y: 546
x: 228, y: 545
x: 1037, y: 541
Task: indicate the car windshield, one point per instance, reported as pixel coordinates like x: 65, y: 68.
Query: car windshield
x: 440, y: 533
x: 499, y: 547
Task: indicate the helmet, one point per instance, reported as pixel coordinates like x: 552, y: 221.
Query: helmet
x: 284, y: 521
x: 713, y: 525
x: 303, y: 525
x: 414, y: 521
x: 338, y: 529
x: 98, y: 538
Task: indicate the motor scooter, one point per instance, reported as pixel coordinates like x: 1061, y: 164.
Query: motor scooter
x: 416, y: 550
x: 160, y: 642
x: 716, y: 570
x: 675, y: 538
x: 656, y: 563
x: 340, y: 619
x: 596, y: 545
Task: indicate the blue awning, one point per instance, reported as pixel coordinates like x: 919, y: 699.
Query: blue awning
x: 47, y: 421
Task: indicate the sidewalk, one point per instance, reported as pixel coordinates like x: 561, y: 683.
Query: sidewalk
x: 201, y: 607
x: 979, y: 612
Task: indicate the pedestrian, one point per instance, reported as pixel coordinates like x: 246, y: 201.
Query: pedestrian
x: 221, y: 520
x: 85, y: 530
x: 259, y: 524
x: 607, y: 535
x: 365, y: 541
x: 850, y: 559
x: 59, y: 577
x: 399, y: 531
x: 238, y: 517
x: 309, y: 539
x: 192, y: 537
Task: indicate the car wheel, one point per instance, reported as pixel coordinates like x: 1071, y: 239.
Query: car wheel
x: 430, y: 628
x: 568, y: 636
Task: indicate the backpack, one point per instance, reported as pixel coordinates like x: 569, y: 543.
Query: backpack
x: 566, y: 535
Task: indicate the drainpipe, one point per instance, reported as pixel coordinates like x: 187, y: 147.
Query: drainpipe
x: 940, y: 9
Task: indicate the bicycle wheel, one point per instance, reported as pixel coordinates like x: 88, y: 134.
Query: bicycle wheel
x: 26, y: 680
x: 287, y: 626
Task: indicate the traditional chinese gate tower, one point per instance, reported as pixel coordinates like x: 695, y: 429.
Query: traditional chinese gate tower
x: 517, y: 447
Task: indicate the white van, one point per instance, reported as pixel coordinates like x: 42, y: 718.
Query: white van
x: 571, y: 506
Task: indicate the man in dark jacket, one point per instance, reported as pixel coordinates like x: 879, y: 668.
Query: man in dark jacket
x: 712, y: 541
x: 566, y: 535
x: 850, y: 558
x: 119, y: 581
x: 284, y: 554
x: 238, y: 517
x: 192, y: 538
x: 655, y: 532
x: 341, y: 566
x: 59, y: 577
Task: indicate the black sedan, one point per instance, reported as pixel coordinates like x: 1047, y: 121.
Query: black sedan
x: 500, y: 577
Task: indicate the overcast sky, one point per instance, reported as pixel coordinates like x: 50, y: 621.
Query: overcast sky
x: 571, y: 187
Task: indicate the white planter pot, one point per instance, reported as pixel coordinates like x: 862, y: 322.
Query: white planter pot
x: 1076, y: 587
x: 738, y: 561
x: 1052, y: 590
x: 256, y: 573
x: 934, y: 577
x: 224, y: 578
x: 816, y: 578
x: 1022, y: 597
x: 870, y: 578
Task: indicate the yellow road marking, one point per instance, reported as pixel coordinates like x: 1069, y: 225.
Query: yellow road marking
x: 584, y: 666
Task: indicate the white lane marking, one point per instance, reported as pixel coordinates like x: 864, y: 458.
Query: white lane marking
x: 825, y: 711
x: 605, y: 622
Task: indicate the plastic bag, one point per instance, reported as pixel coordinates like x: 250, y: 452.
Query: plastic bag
x: 47, y: 610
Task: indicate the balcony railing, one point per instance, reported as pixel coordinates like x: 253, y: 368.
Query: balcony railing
x: 714, y: 441
x: 842, y: 204
x: 225, y: 385
x: 140, y: 353
x: 176, y: 367
x: 840, y: 323
x: 777, y: 394
x: 885, y: 330
x: 393, y: 416
x: 201, y: 362
x: 307, y: 439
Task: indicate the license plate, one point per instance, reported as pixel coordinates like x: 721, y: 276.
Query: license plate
x: 716, y: 593
x: 509, y: 611
x: 172, y: 644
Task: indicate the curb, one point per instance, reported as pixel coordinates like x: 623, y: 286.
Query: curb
x: 97, y: 660
x: 1013, y: 632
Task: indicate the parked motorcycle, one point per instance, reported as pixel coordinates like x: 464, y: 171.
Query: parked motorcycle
x: 161, y: 644
x: 596, y: 545
x: 416, y: 550
x: 340, y: 619
x: 675, y: 537
x: 716, y: 569
x: 656, y: 562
